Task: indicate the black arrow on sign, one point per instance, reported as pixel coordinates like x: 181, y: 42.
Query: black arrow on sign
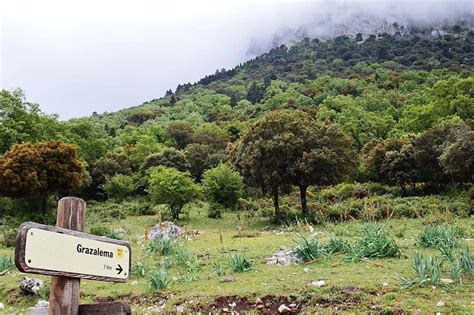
x: 119, y: 269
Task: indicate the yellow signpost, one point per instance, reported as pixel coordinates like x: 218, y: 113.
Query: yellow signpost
x: 56, y: 251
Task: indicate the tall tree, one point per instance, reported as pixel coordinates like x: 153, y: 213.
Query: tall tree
x: 327, y: 156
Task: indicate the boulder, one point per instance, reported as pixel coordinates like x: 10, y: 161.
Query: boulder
x: 318, y: 283
x: 165, y: 229
x: 31, y: 286
x: 284, y: 257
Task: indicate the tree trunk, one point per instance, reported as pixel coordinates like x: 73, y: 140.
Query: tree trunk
x: 44, y: 205
x: 402, y: 186
x: 304, y: 203
x: 276, y: 203
x: 264, y: 190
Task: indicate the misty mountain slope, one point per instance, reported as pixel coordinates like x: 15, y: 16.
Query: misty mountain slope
x: 342, y: 57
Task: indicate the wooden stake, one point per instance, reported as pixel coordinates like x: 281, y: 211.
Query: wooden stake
x: 64, y: 295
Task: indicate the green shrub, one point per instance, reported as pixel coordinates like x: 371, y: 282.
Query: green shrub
x: 173, y: 188
x: 308, y: 249
x: 105, y: 231
x: 214, y: 211
x: 223, y: 186
x: 238, y: 263
x: 247, y: 205
x: 375, y: 243
x: 438, y: 236
x: 336, y: 245
x: 6, y: 263
x: 139, y: 269
x: 159, y: 280
x: 467, y: 260
x: 428, y: 269
x: 119, y: 186
x: 107, y: 212
x: 218, y: 268
x: 160, y: 245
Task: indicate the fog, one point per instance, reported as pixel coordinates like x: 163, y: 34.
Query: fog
x: 74, y: 58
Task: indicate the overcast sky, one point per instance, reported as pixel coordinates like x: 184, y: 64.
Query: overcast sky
x: 76, y: 57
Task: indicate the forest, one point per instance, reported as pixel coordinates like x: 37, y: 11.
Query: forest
x: 352, y: 148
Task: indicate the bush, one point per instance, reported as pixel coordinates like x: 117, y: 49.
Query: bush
x: 173, y: 188
x: 107, y: 212
x: 105, y: 231
x: 119, y: 186
x: 374, y: 243
x: 160, y: 245
x: 6, y: 263
x: 336, y: 245
x: 308, y: 249
x: 438, y: 236
x: 223, y: 186
x: 239, y: 263
x: 139, y: 269
x: 214, y: 211
x: 159, y: 280
x: 429, y: 271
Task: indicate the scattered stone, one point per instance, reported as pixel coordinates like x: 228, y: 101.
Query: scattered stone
x: 284, y: 257
x: 229, y: 279
x: 31, y: 285
x: 121, y: 230
x: 292, y: 305
x: 318, y: 283
x: 134, y: 282
x: 165, y: 229
x: 2, y: 307
x: 440, y: 304
x: 225, y: 309
x: 306, y: 269
x: 258, y: 301
x: 284, y: 309
x: 42, y: 304
x: 447, y: 281
x: 385, y: 284
x: 260, y: 306
x: 180, y: 309
x: 233, y: 304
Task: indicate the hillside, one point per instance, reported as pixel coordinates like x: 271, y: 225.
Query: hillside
x: 322, y: 176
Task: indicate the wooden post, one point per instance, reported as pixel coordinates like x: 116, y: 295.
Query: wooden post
x: 64, y: 295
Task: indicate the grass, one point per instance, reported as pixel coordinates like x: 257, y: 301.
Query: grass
x: 159, y: 280
x: 374, y: 243
x: 428, y: 269
x: 366, y: 276
x: 238, y: 263
x: 6, y: 263
x: 308, y: 249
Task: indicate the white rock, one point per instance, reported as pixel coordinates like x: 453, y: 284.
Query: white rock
x: 134, y: 282
x: 440, y: 304
x: 165, y: 229
x: 2, y: 307
x: 292, y: 305
x: 385, y: 284
x: 258, y: 301
x: 283, y: 309
x: 318, y: 283
x: 42, y: 304
x: 447, y: 281
x: 306, y: 269
x: 283, y: 257
x: 180, y: 309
